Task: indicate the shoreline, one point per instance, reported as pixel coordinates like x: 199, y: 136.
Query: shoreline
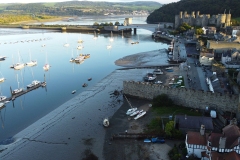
x: 71, y: 125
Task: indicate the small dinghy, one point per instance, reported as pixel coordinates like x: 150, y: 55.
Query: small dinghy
x: 84, y: 85
x: 106, y: 122
x: 89, y: 79
x: 74, y: 91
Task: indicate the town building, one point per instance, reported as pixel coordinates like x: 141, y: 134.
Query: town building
x: 220, y: 20
x: 210, y: 146
x: 186, y: 123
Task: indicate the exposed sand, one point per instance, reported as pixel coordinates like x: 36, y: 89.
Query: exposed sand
x: 75, y: 128
x: 150, y: 58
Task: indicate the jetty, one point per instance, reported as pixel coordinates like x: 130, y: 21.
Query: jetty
x: 137, y: 136
x: 14, y: 96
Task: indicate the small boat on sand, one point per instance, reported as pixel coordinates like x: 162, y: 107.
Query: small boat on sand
x: 74, y: 91
x: 140, y: 115
x: 84, y: 85
x: 106, y: 122
x: 130, y: 111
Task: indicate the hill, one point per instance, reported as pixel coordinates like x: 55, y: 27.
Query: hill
x: 81, y: 8
x: 167, y: 12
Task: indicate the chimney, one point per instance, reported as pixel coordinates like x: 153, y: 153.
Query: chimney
x: 222, y: 142
x: 202, y: 130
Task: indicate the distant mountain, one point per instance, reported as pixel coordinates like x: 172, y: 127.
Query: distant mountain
x: 82, y: 7
x: 167, y: 12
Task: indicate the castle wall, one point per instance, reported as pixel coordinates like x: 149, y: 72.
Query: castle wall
x: 182, y: 96
x: 220, y: 20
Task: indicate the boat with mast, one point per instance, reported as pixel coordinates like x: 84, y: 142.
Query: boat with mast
x: 66, y: 44
x: 95, y: 35
x: 46, y: 67
x: 106, y: 122
x: 2, y: 98
x: 34, y: 82
x: 18, y: 90
x: 80, y: 40
x: 2, y: 78
x: 111, y: 38
x: 31, y: 62
x: 18, y: 65
x: 131, y: 110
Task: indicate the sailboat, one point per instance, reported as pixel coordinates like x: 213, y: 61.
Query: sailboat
x: 95, y: 35
x: 18, y: 65
x: 34, y: 82
x: 66, y: 44
x: 18, y: 90
x: 122, y: 34
x: 2, y: 98
x: 72, y: 59
x: 109, y: 46
x: 32, y: 62
x: 131, y: 110
x: 80, y: 40
x: 46, y: 67
x: 80, y: 47
x: 2, y: 78
x: 136, y: 42
x: 111, y: 39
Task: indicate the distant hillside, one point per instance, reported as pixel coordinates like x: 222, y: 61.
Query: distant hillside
x: 167, y: 12
x: 82, y: 7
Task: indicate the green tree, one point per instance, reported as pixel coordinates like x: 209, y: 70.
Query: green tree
x: 199, y: 31
x: 106, y: 24
x: 117, y: 23
x: 110, y: 24
x: 95, y: 24
x: 169, y: 128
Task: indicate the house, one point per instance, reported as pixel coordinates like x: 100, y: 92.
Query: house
x: 226, y: 56
x: 218, y: 146
x: 206, y: 57
x: 209, y: 30
x: 186, y: 123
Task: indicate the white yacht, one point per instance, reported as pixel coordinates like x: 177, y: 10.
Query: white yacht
x: 46, y: 67
x: 34, y: 83
x: 3, y: 98
x: 79, y: 58
x: 18, y: 65
x: 109, y: 46
x: 31, y: 62
x: 80, y: 47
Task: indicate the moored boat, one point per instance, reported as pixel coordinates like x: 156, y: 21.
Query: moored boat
x: 34, y: 83
x: 106, y: 122
x: 130, y: 111
x: 140, y: 115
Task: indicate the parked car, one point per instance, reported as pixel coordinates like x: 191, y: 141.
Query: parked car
x: 158, y: 140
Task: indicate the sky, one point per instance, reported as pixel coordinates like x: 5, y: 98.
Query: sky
x: 35, y: 1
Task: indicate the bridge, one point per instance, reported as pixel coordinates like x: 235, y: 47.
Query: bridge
x: 150, y: 27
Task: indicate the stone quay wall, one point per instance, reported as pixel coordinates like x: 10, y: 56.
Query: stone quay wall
x: 181, y: 96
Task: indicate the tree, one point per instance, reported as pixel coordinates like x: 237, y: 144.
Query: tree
x: 199, y: 31
x: 95, y: 24
x: 117, y: 23
x: 110, y: 24
x: 169, y: 128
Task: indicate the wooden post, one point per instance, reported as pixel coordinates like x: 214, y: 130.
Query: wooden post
x: 135, y: 30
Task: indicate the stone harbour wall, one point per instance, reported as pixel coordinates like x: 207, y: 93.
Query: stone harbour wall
x: 182, y: 96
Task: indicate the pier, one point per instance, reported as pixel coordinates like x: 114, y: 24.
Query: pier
x: 14, y: 96
x: 133, y: 136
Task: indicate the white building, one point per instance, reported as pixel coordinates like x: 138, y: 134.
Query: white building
x: 213, y: 146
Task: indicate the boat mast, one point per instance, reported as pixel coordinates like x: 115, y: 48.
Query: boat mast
x: 128, y: 101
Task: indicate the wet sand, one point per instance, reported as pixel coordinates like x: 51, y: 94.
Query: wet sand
x: 75, y: 128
